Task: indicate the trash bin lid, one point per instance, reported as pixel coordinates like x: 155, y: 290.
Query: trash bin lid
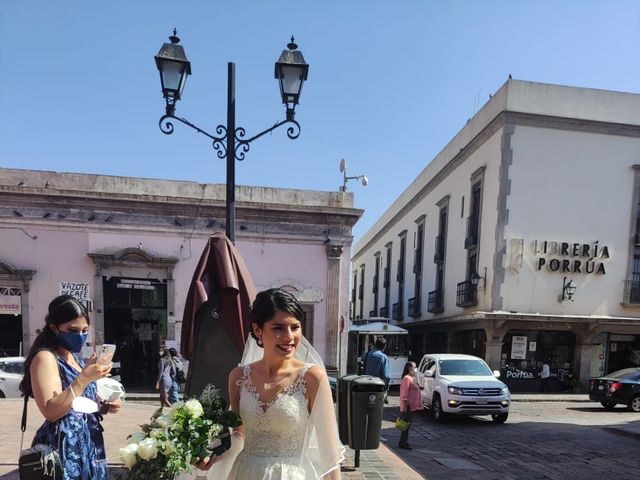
x: 367, y: 383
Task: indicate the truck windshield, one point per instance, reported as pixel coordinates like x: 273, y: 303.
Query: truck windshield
x: 463, y: 367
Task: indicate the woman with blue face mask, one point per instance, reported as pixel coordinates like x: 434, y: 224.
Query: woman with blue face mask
x: 56, y: 377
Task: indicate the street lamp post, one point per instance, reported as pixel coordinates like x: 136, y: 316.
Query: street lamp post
x: 291, y: 71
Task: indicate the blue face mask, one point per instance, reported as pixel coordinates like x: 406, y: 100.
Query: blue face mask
x: 72, y: 341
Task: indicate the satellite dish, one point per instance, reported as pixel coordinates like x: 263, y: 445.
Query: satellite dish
x: 343, y: 165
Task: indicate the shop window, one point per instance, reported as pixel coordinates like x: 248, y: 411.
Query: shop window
x: 525, y: 351
x: 624, y: 352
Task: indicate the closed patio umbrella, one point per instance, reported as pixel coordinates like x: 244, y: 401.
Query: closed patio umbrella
x: 216, y: 321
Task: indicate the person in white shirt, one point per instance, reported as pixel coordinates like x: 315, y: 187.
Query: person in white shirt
x: 545, y: 373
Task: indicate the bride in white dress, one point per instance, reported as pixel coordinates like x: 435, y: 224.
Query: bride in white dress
x: 282, y: 394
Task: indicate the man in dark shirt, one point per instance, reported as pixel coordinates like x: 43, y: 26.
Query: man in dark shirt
x: 376, y: 363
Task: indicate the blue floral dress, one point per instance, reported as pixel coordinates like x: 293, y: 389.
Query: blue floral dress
x: 81, y: 445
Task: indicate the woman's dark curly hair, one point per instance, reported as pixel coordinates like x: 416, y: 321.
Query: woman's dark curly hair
x: 62, y: 309
x: 268, y: 302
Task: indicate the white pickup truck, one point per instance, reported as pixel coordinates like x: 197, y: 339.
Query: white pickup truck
x: 463, y: 385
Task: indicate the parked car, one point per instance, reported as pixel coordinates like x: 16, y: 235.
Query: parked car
x: 463, y: 385
x: 11, y: 372
x: 622, y: 386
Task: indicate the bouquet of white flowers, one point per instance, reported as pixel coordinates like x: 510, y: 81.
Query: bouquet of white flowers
x: 170, y: 443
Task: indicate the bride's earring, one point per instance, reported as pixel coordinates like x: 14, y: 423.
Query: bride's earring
x: 260, y: 344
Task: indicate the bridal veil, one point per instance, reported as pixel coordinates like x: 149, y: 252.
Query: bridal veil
x: 322, y: 447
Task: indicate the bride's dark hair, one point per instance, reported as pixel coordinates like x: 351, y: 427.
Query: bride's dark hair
x: 268, y: 302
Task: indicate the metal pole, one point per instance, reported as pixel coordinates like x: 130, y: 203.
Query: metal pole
x: 231, y: 152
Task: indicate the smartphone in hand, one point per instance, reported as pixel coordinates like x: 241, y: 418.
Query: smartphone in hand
x: 105, y: 353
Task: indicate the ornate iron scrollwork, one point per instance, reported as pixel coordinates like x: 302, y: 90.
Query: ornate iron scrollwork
x: 220, y: 142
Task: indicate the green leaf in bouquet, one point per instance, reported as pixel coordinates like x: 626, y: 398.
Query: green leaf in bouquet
x: 229, y: 418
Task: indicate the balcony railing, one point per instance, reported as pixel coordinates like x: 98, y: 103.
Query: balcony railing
x: 471, y: 240
x: 631, y: 292
x: 414, y: 307
x: 396, y: 312
x: 466, y: 294
x: 384, y: 312
x: 435, y: 302
x: 439, y: 252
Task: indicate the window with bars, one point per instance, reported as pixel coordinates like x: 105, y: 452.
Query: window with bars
x: 11, y: 291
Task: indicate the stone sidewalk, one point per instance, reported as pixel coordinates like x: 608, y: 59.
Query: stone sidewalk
x: 382, y: 463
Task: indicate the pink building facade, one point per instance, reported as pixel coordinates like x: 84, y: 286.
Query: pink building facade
x: 130, y: 247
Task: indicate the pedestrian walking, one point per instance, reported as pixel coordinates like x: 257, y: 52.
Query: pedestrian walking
x: 410, y: 401
x: 545, y: 373
x: 166, y: 374
x: 178, y: 378
x: 376, y: 363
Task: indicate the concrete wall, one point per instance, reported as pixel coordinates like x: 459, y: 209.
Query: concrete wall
x: 569, y: 187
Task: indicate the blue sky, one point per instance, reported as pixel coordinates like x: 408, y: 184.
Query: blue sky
x: 390, y: 82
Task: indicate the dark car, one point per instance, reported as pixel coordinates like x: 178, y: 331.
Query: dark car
x: 622, y: 387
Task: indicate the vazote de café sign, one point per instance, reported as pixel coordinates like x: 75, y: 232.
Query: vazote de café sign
x: 565, y: 257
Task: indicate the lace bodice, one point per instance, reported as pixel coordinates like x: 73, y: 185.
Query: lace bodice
x: 276, y: 428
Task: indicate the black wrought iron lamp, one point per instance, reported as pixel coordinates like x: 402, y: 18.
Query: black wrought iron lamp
x: 568, y: 289
x: 291, y: 71
x: 174, y: 68
x: 475, y: 279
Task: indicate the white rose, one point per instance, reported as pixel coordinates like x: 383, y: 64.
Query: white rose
x: 164, y: 421
x: 148, y: 449
x: 168, y: 447
x: 136, y: 437
x: 128, y: 455
x: 194, y: 407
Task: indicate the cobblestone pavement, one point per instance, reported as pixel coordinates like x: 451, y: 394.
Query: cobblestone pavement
x: 540, y: 440
x: 382, y: 463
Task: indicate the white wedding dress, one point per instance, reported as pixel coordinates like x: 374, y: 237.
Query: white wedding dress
x: 282, y: 441
x: 274, y: 433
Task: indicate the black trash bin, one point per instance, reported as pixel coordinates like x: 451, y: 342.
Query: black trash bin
x: 365, y: 407
x: 343, y: 391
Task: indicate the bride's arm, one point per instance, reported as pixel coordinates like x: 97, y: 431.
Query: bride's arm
x: 235, y: 377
